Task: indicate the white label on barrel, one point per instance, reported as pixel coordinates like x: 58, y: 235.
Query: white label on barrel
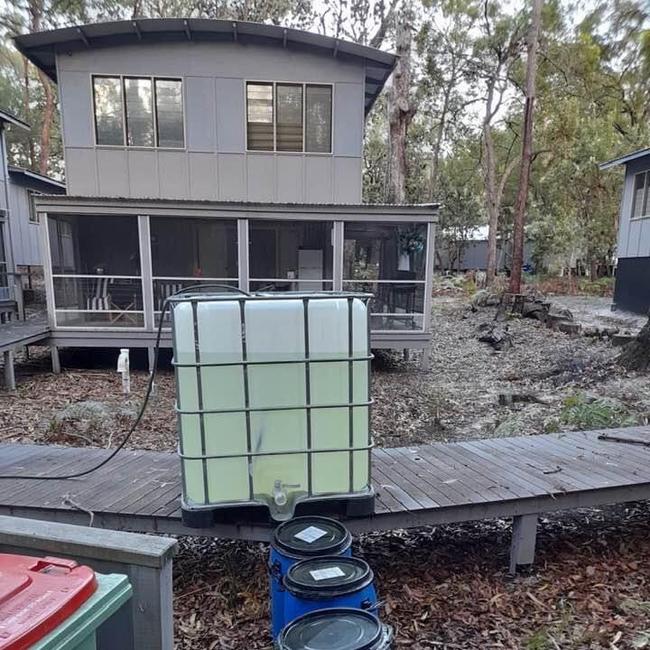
x: 310, y: 534
x: 326, y: 574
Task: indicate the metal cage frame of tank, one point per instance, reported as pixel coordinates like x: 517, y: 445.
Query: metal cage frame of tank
x: 242, y: 298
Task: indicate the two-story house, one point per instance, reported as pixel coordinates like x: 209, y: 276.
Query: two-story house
x: 218, y: 152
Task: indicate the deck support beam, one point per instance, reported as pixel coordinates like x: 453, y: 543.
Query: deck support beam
x: 56, y: 360
x: 10, y: 374
x: 524, y: 536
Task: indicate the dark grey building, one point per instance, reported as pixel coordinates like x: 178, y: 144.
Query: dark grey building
x: 632, y: 288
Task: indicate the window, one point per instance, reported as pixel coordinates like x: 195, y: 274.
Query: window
x: 33, y: 215
x: 109, y: 125
x: 289, y: 117
x: 288, y: 99
x: 640, y: 197
x: 139, y: 112
x: 259, y: 102
x: 169, y: 113
x: 318, y: 114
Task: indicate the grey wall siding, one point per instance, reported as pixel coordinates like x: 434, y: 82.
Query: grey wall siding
x: 24, y: 233
x: 214, y: 164
x: 633, y: 234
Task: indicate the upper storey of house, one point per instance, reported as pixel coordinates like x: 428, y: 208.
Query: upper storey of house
x: 210, y: 109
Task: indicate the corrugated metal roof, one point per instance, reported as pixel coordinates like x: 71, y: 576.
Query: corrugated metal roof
x: 28, y: 174
x: 41, y: 47
x: 622, y: 160
x: 9, y: 118
x: 103, y: 204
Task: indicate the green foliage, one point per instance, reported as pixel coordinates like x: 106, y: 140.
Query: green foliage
x: 585, y: 413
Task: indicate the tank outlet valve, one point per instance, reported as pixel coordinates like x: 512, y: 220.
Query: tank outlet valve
x: 279, y: 494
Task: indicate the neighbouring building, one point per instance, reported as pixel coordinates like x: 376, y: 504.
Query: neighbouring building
x: 20, y: 249
x: 218, y: 151
x: 632, y: 287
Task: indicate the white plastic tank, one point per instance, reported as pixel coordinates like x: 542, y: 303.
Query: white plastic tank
x: 272, y: 398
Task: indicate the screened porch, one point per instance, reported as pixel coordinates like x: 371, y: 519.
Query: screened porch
x: 114, y: 271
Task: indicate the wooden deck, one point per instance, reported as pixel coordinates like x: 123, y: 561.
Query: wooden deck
x: 433, y: 484
x: 23, y: 332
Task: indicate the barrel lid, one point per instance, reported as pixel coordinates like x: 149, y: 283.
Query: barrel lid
x: 332, y: 629
x: 324, y: 577
x: 309, y: 536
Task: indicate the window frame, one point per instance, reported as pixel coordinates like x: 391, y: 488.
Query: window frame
x: 125, y: 144
x: 645, y: 200
x: 33, y: 214
x: 304, y: 85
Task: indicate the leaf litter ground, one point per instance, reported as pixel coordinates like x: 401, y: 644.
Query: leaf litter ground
x: 443, y: 587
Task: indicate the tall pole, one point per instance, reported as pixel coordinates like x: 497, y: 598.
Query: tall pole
x: 526, y: 149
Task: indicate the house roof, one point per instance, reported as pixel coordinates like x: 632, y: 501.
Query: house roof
x: 9, y: 118
x: 41, y: 48
x: 623, y: 160
x: 35, y: 180
x: 417, y: 212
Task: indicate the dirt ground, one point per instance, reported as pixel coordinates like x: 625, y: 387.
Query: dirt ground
x: 444, y: 587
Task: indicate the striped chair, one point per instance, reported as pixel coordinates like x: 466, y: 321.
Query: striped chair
x: 167, y: 289
x: 100, y: 299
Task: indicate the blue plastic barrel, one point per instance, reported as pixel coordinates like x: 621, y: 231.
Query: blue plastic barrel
x: 331, y: 582
x: 336, y: 629
x: 295, y: 540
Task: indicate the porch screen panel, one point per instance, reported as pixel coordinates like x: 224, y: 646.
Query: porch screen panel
x: 259, y: 117
x: 289, y: 119
x: 318, y: 118
x: 139, y: 112
x: 109, y: 123
x: 290, y: 255
x: 389, y: 261
x: 187, y: 252
x: 96, y: 271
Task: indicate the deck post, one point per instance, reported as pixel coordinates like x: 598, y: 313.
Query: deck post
x: 151, y: 356
x: 524, y: 535
x: 56, y: 360
x: 10, y: 375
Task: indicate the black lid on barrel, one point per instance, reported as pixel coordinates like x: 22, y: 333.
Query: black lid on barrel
x: 327, y: 577
x: 332, y: 629
x: 310, y: 536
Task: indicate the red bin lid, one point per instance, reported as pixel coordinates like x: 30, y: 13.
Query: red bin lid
x: 37, y: 594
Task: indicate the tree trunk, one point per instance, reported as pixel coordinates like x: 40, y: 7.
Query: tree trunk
x: 36, y: 9
x: 526, y: 150
x: 489, y: 178
x: 636, y: 354
x: 26, y: 111
x: 400, y: 111
x: 46, y: 128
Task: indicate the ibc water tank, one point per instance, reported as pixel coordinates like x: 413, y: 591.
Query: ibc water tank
x: 272, y: 398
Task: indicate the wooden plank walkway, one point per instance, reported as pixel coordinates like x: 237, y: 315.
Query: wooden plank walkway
x: 23, y: 332
x: 432, y: 484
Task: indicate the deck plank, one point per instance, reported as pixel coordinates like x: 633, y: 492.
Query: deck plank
x: 414, y: 485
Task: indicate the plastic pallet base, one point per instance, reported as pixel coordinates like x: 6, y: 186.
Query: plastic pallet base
x: 344, y: 508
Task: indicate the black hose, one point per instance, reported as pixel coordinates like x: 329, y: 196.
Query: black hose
x: 147, y: 395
